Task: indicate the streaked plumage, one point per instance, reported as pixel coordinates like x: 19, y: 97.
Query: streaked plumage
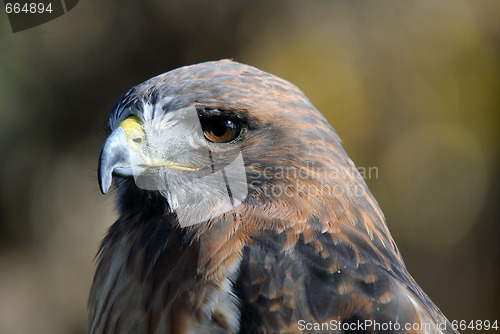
x: 308, y: 242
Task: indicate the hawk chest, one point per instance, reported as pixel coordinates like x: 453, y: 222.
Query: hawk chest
x: 145, y: 289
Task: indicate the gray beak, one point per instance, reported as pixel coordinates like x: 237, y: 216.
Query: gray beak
x: 116, y: 158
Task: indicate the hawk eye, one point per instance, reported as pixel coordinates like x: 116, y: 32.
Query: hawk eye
x: 220, y: 130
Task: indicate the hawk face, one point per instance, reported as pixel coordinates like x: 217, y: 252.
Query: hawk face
x: 240, y: 212
x: 205, y: 142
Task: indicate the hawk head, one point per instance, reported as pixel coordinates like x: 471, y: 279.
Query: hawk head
x: 239, y: 211
x: 204, y: 140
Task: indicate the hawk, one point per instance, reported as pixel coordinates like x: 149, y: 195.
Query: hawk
x: 240, y: 212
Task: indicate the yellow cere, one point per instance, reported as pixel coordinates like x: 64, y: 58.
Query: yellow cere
x: 133, y: 131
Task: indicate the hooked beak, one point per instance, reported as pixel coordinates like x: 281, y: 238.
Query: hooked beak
x: 116, y: 158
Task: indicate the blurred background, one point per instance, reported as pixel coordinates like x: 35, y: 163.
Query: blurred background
x: 412, y: 88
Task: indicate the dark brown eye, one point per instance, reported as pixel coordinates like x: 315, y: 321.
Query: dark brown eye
x: 220, y: 130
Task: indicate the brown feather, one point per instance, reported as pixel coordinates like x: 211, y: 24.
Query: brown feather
x: 309, y: 242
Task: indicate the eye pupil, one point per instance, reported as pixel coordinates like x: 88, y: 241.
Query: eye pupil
x: 220, y: 130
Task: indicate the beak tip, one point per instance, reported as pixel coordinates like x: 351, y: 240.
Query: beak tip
x: 104, y: 182
x: 104, y: 189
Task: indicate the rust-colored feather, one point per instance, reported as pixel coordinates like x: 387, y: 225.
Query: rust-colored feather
x: 307, y: 246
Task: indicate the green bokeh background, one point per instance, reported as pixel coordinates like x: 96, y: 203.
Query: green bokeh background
x: 412, y: 88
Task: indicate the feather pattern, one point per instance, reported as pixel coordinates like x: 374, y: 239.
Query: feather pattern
x: 307, y: 247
